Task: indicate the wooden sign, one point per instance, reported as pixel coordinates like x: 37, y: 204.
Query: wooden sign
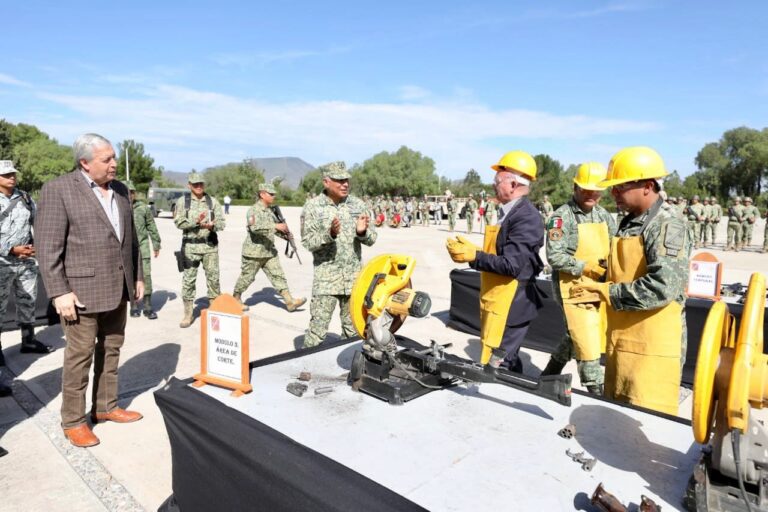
x: 224, y: 346
x: 705, y: 273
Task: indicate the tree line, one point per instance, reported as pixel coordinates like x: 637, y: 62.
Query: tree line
x: 737, y: 164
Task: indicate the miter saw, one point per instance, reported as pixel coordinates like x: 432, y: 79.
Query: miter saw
x: 382, y: 298
x: 731, y: 378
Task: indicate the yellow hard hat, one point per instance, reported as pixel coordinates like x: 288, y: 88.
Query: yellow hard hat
x: 589, y: 176
x: 633, y: 164
x: 517, y: 161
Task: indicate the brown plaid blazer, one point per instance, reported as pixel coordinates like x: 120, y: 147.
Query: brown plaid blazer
x: 77, y: 248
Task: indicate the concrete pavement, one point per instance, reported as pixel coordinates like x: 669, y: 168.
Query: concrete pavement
x: 131, y: 468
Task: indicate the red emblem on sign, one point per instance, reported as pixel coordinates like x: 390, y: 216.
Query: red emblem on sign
x: 215, y: 323
x: 695, y: 266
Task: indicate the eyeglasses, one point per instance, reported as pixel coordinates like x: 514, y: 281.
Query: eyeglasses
x: 500, y: 181
x: 197, y: 184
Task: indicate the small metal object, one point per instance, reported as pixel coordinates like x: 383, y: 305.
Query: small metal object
x: 323, y: 390
x: 296, y: 388
x: 568, y: 431
x: 305, y: 376
x: 587, y: 464
x: 605, y: 501
x: 648, y: 505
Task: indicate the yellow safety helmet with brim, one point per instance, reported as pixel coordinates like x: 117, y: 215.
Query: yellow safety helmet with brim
x: 634, y: 164
x: 589, y: 175
x: 519, y: 162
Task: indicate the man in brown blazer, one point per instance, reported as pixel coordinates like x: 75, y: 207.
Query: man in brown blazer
x: 88, y: 256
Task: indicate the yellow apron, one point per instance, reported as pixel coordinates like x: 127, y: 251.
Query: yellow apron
x: 496, y: 295
x: 586, y: 322
x: 643, y: 352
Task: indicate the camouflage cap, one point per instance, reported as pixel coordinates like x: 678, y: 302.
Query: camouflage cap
x: 196, y: 177
x: 335, y: 171
x: 267, y: 187
x: 6, y: 167
x: 747, y: 199
x: 713, y: 199
x: 696, y: 198
x: 737, y: 199
x: 131, y: 186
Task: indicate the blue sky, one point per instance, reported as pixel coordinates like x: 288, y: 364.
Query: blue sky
x: 203, y: 83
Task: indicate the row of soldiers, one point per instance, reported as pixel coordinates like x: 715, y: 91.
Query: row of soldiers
x: 703, y: 217
x: 398, y: 211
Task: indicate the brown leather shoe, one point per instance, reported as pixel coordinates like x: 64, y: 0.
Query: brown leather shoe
x: 117, y: 415
x: 81, y: 436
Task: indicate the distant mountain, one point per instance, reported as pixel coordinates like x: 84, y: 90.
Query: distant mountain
x: 290, y: 168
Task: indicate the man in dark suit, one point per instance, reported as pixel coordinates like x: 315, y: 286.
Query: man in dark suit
x: 509, y: 262
x: 88, y: 256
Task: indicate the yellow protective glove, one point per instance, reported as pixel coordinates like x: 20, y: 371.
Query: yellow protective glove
x: 590, y: 292
x: 461, y: 250
x: 593, y: 270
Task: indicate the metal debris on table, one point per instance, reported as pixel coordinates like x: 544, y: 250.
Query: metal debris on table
x: 296, y: 388
x: 568, y: 431
x: 323, y: 390
x: 586, y: 463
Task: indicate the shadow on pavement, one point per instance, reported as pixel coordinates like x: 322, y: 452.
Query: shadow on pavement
x: 161, y: 297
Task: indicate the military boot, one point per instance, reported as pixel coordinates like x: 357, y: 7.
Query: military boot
x: 290, y: 303
x: 148, y: 311
x: 595, y: 389
x: 30, y: 344
x: 189, y: 306
x: 554, y: 367
x: 237, y: 297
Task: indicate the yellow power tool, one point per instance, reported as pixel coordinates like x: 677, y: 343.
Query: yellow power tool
x: 731, y: 379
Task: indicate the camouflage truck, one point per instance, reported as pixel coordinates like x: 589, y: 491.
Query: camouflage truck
x: 164, y: 199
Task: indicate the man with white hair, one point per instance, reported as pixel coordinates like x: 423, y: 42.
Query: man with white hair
x: 89, y: 261
x: 509, y: 262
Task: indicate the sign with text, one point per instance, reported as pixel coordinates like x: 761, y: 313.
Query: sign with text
x: 704, y: 276
x: 224, y: 346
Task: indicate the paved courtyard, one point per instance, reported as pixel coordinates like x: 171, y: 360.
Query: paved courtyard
x: 131, y: 468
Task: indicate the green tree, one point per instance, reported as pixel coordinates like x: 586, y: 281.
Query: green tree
x: 6, y: 148
x: 404, y: 173
x: 311, y: 183
x: 40, y: 160
x: 237, y: 180
x: 552, y: 180
x: 738, y: 162
x: 673, y: 185
x: 140, y: 164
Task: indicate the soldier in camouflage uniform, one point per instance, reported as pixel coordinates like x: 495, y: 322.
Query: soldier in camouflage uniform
x: 682, y: 206
x: 706, y: 231
x: 334, y: 227
x: 471, y: 208
x: 647, y: 338
x: 424, y: 209
x: 18, y: 267
x: 546, y: 209
x: 574, y: 253
x: 714, y: 220
x: 735, y: 219
x: 259, y: 250
x: 199, y: 225
x: 451, y: 206
x: 750, y: 216
x: 146, y: 230
x: 695, y: 215
x: 490, y: 208
x: 765, y: 233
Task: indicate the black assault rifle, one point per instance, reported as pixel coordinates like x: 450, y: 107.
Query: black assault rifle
x: 290, y: 247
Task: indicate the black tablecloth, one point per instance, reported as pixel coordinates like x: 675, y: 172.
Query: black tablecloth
x: 547, y: 330
x: 223, y: 459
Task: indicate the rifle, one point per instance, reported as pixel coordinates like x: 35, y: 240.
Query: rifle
x: 290, y: 247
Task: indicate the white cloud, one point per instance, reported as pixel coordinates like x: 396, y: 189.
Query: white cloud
x: 413, y: 92
x: 245, y: 60
x: 9, y: 80
x: 173, y: 121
